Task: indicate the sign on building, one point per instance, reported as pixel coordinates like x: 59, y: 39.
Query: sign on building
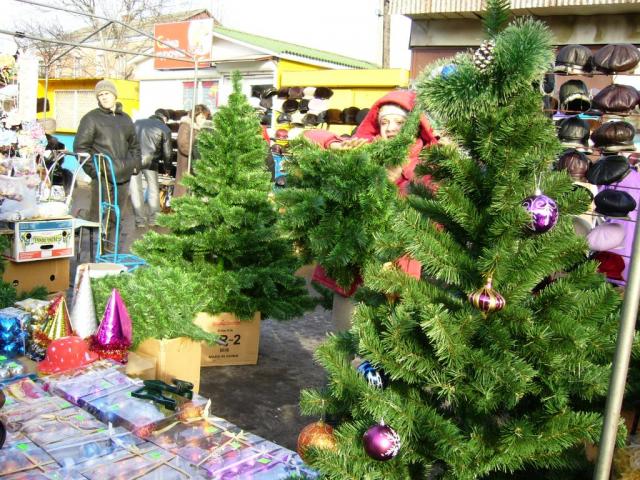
x: 194, y: 37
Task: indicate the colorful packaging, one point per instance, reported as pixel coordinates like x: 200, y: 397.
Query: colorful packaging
x: 22, y: 457
x: 91, y: 385
x: 23, y: 390
x: 16, y: 415
x: 140, y: 416
x: 51, y: 428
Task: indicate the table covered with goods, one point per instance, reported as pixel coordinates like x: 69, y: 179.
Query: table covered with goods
x: 68, y: 410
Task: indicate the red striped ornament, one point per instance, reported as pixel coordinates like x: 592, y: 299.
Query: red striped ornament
x: 487, y: 299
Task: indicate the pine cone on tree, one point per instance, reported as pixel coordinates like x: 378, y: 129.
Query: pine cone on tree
x: 483, y: 56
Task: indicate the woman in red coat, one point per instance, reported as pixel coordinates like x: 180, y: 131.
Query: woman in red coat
x: 384, y: 121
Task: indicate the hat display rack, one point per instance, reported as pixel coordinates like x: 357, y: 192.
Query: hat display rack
x: 600, y: 155
x: 309, y: 107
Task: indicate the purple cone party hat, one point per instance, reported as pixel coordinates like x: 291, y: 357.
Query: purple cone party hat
x: 58, y: 325
x: 83, y: 313
x: 113, y: 338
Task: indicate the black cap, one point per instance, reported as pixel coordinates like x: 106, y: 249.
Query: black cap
x: 608, y: 170
x: 161, y: 112
x: 614, y: 203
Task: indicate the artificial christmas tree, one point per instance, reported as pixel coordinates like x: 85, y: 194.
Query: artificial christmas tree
x: 505, y: 383
x: 223, y: 252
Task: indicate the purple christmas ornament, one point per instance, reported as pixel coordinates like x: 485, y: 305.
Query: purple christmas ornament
x: 113, y: 337
x: 543, y: 211
x: 381, y: 442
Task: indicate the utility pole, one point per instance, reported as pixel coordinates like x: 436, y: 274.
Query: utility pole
x: 386, y: 33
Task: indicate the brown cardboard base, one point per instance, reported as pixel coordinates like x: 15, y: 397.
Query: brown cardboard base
x: 176, y: 358
x: 240, y: 339
x: 141, y: 366
x: 51, y: 274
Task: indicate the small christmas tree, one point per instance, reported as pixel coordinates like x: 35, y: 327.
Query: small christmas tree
x: 496, y: 362
x: 224, y: 250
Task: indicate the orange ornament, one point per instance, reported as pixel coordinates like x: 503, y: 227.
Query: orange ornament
x: 318, y: 435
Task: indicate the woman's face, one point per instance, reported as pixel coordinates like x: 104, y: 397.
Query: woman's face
x: 390, y: 125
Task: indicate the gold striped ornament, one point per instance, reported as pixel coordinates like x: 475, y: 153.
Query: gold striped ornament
x: 487, y: 299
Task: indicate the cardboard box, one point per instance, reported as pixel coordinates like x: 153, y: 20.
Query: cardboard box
x: 41, y: 240
x: 52, y: 274
x: 239, y: 340
x: 175, y: 358
x: 141, y: 366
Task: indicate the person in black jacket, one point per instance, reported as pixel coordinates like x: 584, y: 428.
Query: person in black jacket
x: 155, y: 144
x: 110, y: 131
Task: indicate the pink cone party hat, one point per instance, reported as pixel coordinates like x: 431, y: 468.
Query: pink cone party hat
x: 83, y: 313
x: 113, y: 338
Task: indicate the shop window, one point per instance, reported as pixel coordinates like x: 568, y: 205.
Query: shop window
x: 70, y: 107
x: 207, y: 94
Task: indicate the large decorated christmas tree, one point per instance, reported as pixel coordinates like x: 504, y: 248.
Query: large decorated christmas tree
x: 496, y: 362
x: 223, y: 251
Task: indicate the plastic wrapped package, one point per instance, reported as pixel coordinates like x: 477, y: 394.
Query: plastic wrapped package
x: 82, y: 452
x: 23, y: 390
x: 144, y: 461
x: 142, y: 416
x: 50, y: 428
x: 91, y: 385
x: 22, y: 457
x: 14, y: 416
x: 100, y: 367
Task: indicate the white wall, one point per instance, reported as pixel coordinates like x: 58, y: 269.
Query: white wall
x: 156, y: 94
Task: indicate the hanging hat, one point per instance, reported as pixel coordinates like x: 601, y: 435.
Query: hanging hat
x: 574, y: 132
x: 64, y: 354
x: 284, y: 118
x: 574, y: 96
x: 361, y: 114
x: 575, y: 163
x: 283, y: 92
x: 616, y: 136
x: 548, y: 83
x: 322, y: 117
x: 606, y: 236
x: 304, y: 106
x: 617, y: 57
x: 266, y: 103
x: 617, y: 98
x: 269, y: 92
x: 308, y: 92
x: 276, y: 149
x: 323, y: 93
x: 311, y: 120
x: 608, y: 170
x: 296, y: 92
x: 334, y: 116
x: 574, y: 59
x: 611, y: 264
x: 264, y: 119
x: 581, y: 226
x: 349, y: 115
x: 290, y: 106
x: 614, y: 203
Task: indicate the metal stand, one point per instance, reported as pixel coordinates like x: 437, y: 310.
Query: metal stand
x: 105, y: 175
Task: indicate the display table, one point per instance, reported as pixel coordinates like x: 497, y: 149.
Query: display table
x: 94, y: 423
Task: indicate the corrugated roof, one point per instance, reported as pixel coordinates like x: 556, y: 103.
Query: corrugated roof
x: 434, y: 7
x: 285, y: 48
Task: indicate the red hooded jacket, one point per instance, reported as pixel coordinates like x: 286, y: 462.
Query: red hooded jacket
x: 369, y: 129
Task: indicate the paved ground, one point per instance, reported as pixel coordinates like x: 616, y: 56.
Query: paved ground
x: 261, y: 398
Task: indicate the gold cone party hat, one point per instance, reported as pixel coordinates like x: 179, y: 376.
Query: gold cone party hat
x: 58, y: 325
